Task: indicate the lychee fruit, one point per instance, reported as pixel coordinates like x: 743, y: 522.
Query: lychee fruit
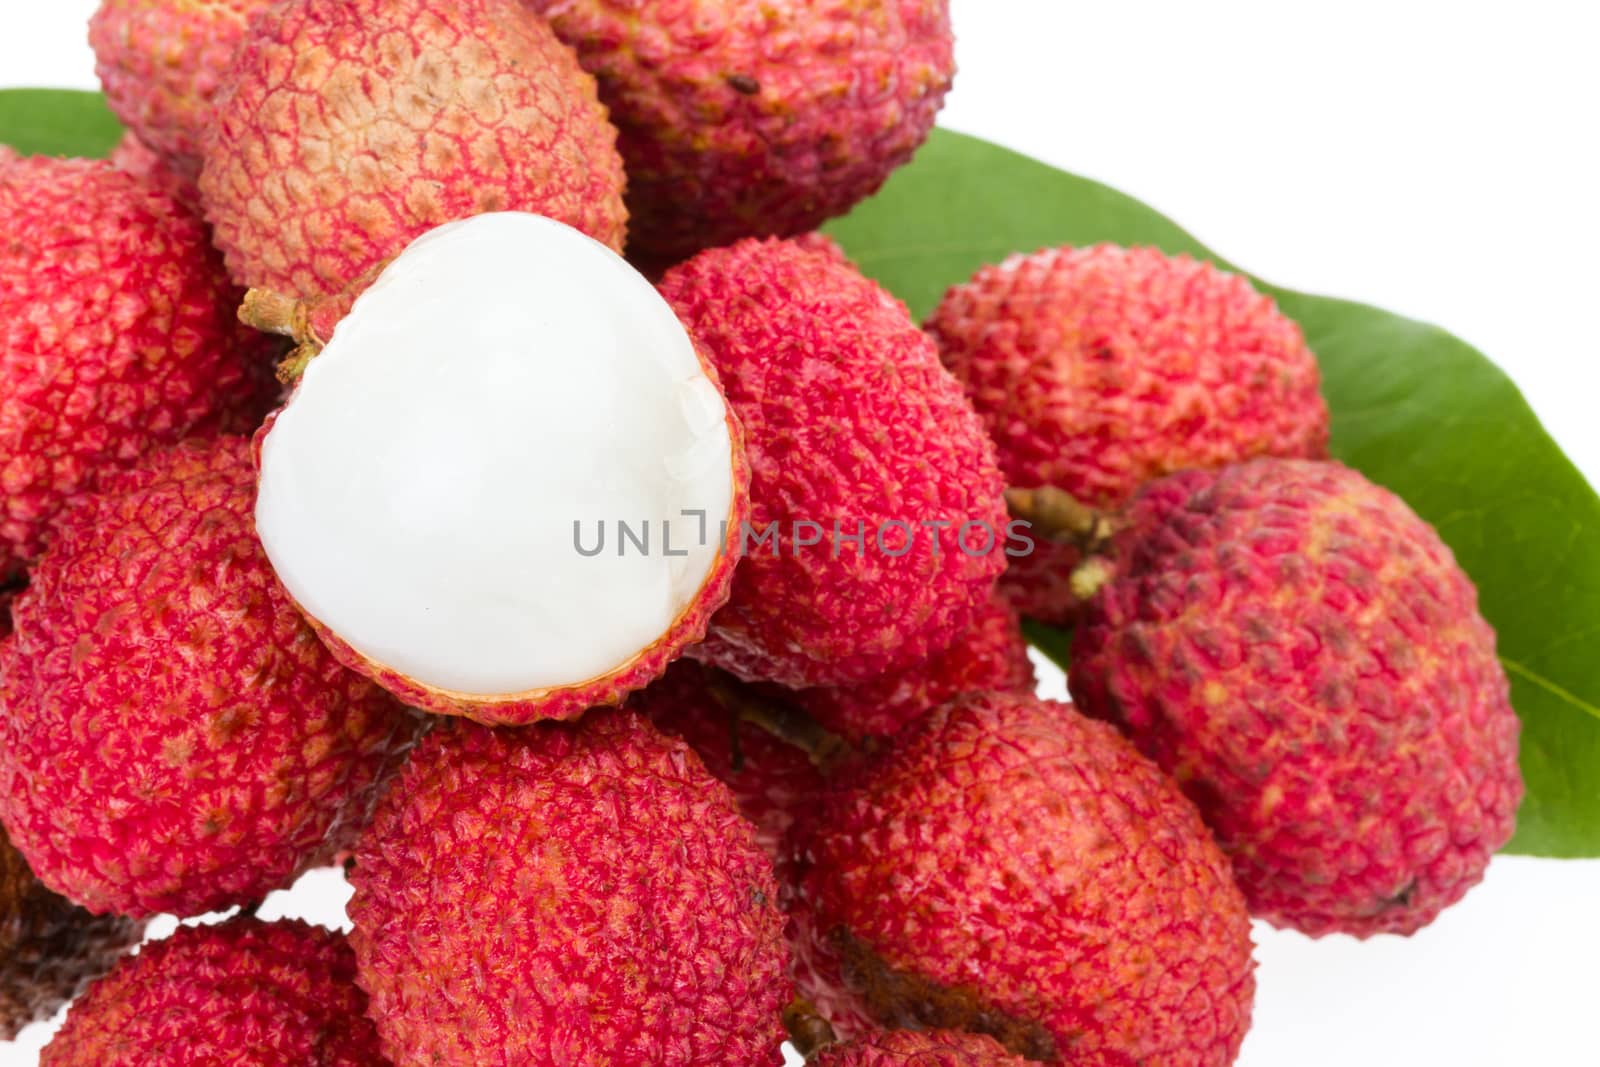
x: 1303, y: 654
x: 117, y: 334
x: 49, y: 948
x: 770, y: 778
x: 161, y: 63
x: 350, y: 127
x: 567, y: 893
x: 755, y: 120
x: 917, y: 1048
x: 877, y: 525
x: 509, y: 487
x: 1012, y: 868
x: 1097, y: 369
x: 244, y: 992
x: 161, y: 172
x: 174, y: 737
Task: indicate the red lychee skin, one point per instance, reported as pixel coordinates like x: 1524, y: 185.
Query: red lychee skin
x: 569, y: 701
x: 175, y: 738
x: 1097, y: 369
x: 1014, y: 868
x: 849, y: 418
x: 917, y: 1048
x: 175, y: 179
x: 1302, y: 653
x: 351, y: 127
x: 242, y: 994
x: 49, y: 947
x: 117, y: 335
x: 770, y: 779
x: 161, y: 62
x: 756, y: 120
x: 990, y: 656
x: 567, y: 893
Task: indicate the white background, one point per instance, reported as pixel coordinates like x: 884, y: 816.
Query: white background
x: 1436, y: 159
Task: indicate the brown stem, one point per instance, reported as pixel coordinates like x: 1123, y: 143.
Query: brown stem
x: 780, y: 719
x: 276, y: 313
x: 1060, y: 517
x: 808, y: 1031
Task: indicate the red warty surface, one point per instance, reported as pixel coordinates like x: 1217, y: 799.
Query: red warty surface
x: 757, y: 120
x: 242, y: 994
x: 991, y: 655
x: 161, y: 62
x: 1014, y: 868
x: 1098, y: 369
x: 770, y: 779
x: 567, y: 893
x: 175, y: 738
x: 117, y: 334
x: 351, y: 127
x: 918, y: 1048
x: 848, y: 418
x: 1304, y: 656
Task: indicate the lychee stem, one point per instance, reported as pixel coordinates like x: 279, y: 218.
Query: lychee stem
x: 1060, y: 517
x: 787, y: 723
x: 287, y: 316
x: 808, y: 1031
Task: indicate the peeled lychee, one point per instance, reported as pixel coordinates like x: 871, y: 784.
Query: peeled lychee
x: 567, y: 894
x: 1012, y: 868
x: 241, y: 994
x: 117, y: 334
x: 49, y: 947
x: 143, y: 162
x: 877, y: 525
x: 162, y: 61
x: 350, y: 127
x: 755, y: 120
x: 1302, y: 653
x: 174, y: 737
x: 1097, y: 369
x: 509, y: 487
x: 917, y: 1048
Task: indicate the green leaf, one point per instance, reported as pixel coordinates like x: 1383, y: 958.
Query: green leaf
x: 57, y: 122
x: 1413, y: 407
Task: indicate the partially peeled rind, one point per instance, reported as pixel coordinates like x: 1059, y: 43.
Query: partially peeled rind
x: 505, y: 394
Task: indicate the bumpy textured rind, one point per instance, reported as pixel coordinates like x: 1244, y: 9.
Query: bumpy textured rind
x: 351, y: 127
x: 175, y: 179
x: 770, y: 779
x: 1097, y: 369
x: 849, y: 419
x: 175, y: 738
x: 1304, y: 656
x: 117, y: 334
x: 567, y: 893
x: 758, y: 120
x: 161, y: 62
x: 917, y: 1048
x: 1011, y: 867
x: 49, y: 948
x: 990, y: 655
x: 242, y: 994
x: 571, y: 701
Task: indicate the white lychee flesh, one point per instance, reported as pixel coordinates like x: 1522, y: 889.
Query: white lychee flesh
x: 504, y: 379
